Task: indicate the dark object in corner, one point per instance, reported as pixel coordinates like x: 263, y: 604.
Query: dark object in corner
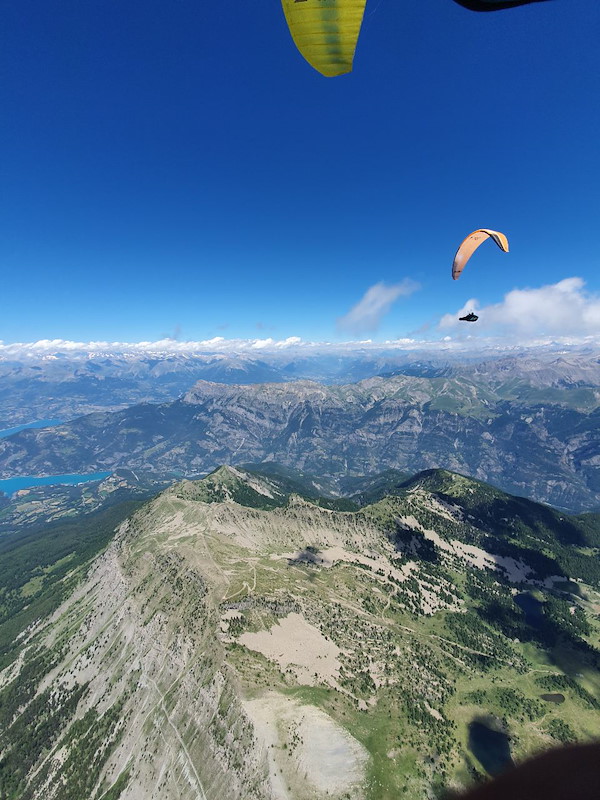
x: 566, y: 773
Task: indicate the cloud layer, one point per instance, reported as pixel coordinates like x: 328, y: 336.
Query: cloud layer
x: 218, y: 344
x: 374, y: 305
x: 554, y: 316
x: 563, y: 309
x: 292, y: 347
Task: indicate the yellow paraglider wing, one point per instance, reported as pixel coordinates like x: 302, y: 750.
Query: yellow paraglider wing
x: 471, y: 243
x: 325, y: 32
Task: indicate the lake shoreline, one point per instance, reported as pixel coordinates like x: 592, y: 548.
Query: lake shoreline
x: 10, y: 486
x: 40, y: 423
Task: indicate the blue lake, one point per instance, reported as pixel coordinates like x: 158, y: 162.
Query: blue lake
x: 11, y: 485
x: 490, y: 747
x: 40, y: 423
x: 532, y: 608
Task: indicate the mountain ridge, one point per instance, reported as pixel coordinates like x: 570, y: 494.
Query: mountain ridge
x: 549, y: 452
x: 211, y: 644
x: 64, y: 385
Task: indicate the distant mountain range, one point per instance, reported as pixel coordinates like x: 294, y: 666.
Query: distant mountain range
x: 65, y: 387
x: 68, y: 385
x: 239, y: 638
x: 538, y: 437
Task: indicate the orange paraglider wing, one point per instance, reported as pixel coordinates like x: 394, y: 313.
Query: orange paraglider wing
x: 471, y: 243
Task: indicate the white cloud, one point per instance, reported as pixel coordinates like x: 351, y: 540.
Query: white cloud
x: 293, y: 345
x: 559, y: 309
x: 374, y: 305
x: 563, y: 314
x: 218, y: 344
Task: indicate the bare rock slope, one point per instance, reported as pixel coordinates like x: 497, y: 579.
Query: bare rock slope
x: 278, y: 650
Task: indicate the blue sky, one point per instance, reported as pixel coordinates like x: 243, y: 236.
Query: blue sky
x: 178, y: 169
